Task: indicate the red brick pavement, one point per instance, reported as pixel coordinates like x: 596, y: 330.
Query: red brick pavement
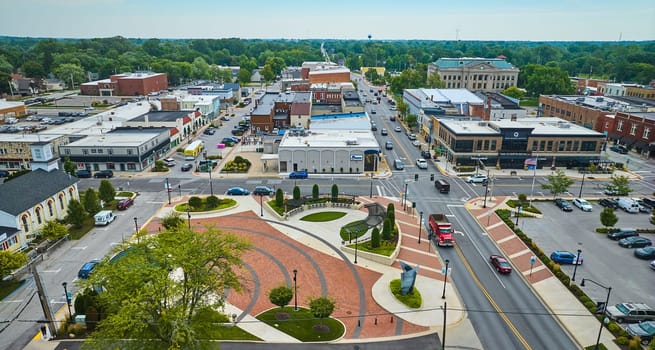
x: 340, y: 283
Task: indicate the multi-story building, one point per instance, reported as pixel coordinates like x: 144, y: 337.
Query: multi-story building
x: 636, y: 131
x: 127, y: 84
x: 475, y: 74
x: 507, y: 144
x: 15, y: 151
x: 273, y: 110
x: 182, y: 124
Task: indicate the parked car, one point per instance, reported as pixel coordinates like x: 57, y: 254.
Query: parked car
x: 644, y: 330
x: 237, y: 191
x: 4, y: 173
x: 649, y: 201
x: 564, y: 257
x: 652, y: 264
x: 398, y: 164
x: 124, y: 203
x: 426, y: 154
x: 263, y: 191
x: 169, y: 162
x: 635, y: 242
x: 230, y: 140
x: 582, y: 204
x: 300, y: 174
x: 609, y: 203
x: 643, y: 206
x: 104, y: 174
x: 421, y: 163
x: 87, y: 269
x: 622, y: 233
x: 619, y: 149
x: 392, y: 118
x: 480, y: 178
x: 186, y: 167
x: 416, y: 143
x: 411, y: 136
x: 563, y: 204
x: 630, y: 312
x: 628, y: 205
x: 500, y: 264
x: 83, y: 174
x: 645, y: 253
x: 210, y: 131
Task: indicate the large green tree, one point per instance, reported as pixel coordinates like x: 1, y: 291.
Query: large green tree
x: 10, y: 261
x: 620, y: 185
x: 106, y: 191
x: 75, y: 213
x: 280, y: 296
x: 53, y: 230
x: 91, y: 201
x: 321, y: 307
x: 70, y: 73
x: 546, y: 80
x: 558, y: 183
x: 153, y: 293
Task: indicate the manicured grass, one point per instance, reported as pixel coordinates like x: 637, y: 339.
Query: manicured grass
x: 355, y: 228
x: 513, y: 203
x: 386, y: 248
x: 216, y: 326
x: 125, y: 194
x: 529, y: 102
x: 77, y: 233
x: 224, y: 204
x: 323, y: 216
x: 6, y: 287
x: 279, y: 210
x: 301, y: 324
x: 412, y: 299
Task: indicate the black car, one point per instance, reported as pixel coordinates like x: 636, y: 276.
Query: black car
x: 263, y: 191
x: 622, y: 233
x: 106, y: 174
x: 209, y: 132
x: 83, y: 174
x: 635, y: 242
x: 609, y: 203
x: 186, y: 167
x: 426, y: 154
x: 649, y: 201
x: 619, y: 149
x: 563, y: 204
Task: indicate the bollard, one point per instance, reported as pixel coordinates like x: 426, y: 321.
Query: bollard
x: 359, y: 323
x: 415, y: 177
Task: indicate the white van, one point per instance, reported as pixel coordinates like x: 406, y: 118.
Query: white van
x: 104, y: 218
x: 628, y: 204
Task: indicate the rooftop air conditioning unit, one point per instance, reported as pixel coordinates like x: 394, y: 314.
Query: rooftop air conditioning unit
x: 351, y: 142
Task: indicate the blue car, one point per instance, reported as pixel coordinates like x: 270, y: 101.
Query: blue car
x: 237, y: 191
x: 563, y: 257
x: 301, y: 174
x: 87, y: 268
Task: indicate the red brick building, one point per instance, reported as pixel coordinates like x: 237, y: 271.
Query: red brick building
x: 128, y: 84
x: 636, y: 131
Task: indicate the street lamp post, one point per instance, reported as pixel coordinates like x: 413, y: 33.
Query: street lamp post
x: 518, y: 213
x: 577, y: 262
x: 188, y: 215
x: 405, y: 198
x: 486, y: 190
x: 370, y: 194
x: 209, y: 167
x: 295, y: 290
x: 607, y: 300
x: 179, y: 188
x: 420, y: 226
x: 581, y: 185
x: 443, y: 295
x: 168, y: 191
x: 261, y: 205
x: 136, y: 225
x: 70, y: 315
x: 356, y: 249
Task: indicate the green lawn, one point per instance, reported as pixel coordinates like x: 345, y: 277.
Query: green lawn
x: 324, y: 216
x: 530, y: 102
x: 216, y: 326
x: 77, y: 233
x: 354, y: 229
x: 386, y: 248
x: 513, y: 203
x: 412, y: 299
x: 302, y: 325
x: 224, y: 204
x: 6, y: 287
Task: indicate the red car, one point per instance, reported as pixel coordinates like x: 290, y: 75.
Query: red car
x: 124, y: 203
x: 501, y: 264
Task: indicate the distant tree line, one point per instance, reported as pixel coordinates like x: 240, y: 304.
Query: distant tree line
x: 72, y: 60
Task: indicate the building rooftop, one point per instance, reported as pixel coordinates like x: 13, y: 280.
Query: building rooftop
x: 8, y: 104
x: 539, y: 126
x: 123, y: 138
x: 344, y: 121
x: 31, y: 138
x: 446, y: 63
x: 329, y: 70
x: 161, y: 116
x: 605, y: 103
x: 101, y: 123
x: 23, y: 192
x: 331, y: 139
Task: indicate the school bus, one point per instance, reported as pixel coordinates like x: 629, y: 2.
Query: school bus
x: 193, y: 150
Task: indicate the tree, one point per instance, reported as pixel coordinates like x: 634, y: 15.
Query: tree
x: 386, y: 229
x: 70, y: 73
x: 403, y: 108
x: 279, y: 198
x: 106, y: 191
x: 375, y: 238
x: 412, y: 121
x: 280, y: 296
x: 391, y: 213
x: 558, y: 183
x: 145, y: 304
x: 91, y: 201
x: 296, y: 192
x: 335, y: 192
x: 321, y: 307
x: 244, y: 76
x: 315, y: 192
x: 608, y: 218
x: 212, y: 202
x: 620, y: 185
x: 514, y: 92
x: 172, y: 220
x: 10, y: 261
x: 267, y: 73
x: 435, y: 82
x: 69, y: 166
x: 53, y: 230
x: 75, y: 213
x: 546, y: 80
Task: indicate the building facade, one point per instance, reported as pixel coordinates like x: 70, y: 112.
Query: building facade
x: 507, y: 144
x: 475, y: 74
x: 15, y: 151
x: 127, y: 84
x: 636, y: 131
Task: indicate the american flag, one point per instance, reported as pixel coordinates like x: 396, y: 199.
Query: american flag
x: 530, y: 161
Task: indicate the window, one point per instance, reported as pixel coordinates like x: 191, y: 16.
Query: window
x: 486, y: 145
x: 493, y: 145
x: 100, y: 150
x: 85, y: 151
x: 646, y: 133
x: 534, y: 145
x: 51, y: 211
x: 568, y: 145
x: 478, y: 145
x: 619, y: 126
x: 549, y: 147
x: 110, y: 151
x: 576, y: 145
x: 542, y: 145
x: 131, y: 166
x: 38, y: 216
x: 129, y: 152
x: 67, y: 151
x: 61, y: 201
x: 94, y: 150
x: 26, y: 226
x: 560, y: 147
x: 633, y: 129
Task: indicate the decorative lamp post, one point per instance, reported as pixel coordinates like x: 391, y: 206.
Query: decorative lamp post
x: 188, y: 215
x: 607, y: 300
x: 168, y: 191
x: 486, y: 190
x: 68, y: 303
x: 261, y: 205
x: 577, y: 262
x: 443, y: 295
x: 209, y: 170
x: 370, y: 194
x: 295, y: 289
x: 420, y: 226
x: 581, y: 185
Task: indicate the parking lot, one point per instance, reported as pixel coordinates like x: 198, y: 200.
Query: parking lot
x: 605, y: 262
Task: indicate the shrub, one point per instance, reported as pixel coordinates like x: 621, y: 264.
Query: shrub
x: 279, y: 198
x: 576, y: 290
x: 335, y: 192
x: 280, y: 296
x: 614, y: 328
x: 296, y: 193
x: 634, y: 343
x: 622, y: 340
x: 386, y: 229
x: 375, y: 238
x: 172, y: 220
x: 212, y: 202
x: 315, y: 192
x: 195, y: 202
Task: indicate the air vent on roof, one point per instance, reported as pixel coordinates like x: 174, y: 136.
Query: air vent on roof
x: 482, y: 124
x: 564, y: 125
x: 599, y: 99
x: 351, y: 142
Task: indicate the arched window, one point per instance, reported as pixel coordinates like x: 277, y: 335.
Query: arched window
x: 26, y: 226
x: 61, y: 201
x: 51, y: 211
x: 70, y: 193
x: 38, y: 215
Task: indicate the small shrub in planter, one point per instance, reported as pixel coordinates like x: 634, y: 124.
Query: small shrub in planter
x: 590, y: 305
x: 622, y: 340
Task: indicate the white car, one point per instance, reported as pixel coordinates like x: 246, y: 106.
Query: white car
x: 582, y: 204
x: 416, y: 143
x: 477, y: 179
x: 421, y: 163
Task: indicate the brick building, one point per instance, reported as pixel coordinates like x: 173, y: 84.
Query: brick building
x: 127, y: 84
x: 636, y: 131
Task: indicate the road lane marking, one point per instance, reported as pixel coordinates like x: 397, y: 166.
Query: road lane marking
x: 52, y: 271
x: 491, y: 301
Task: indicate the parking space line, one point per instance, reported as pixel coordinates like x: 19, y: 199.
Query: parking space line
x: 517, y: 254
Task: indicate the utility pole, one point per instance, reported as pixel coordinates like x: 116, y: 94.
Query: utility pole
x: 44, y: 300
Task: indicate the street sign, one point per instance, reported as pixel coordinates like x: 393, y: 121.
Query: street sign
x: 533, y: 260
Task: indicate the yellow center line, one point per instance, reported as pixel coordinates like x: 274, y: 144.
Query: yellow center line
x: 493, y: 303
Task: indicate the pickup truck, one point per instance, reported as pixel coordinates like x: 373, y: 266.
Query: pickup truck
x: 441, y: 230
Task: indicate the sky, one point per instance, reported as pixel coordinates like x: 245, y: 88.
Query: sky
x: 527, y: 20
